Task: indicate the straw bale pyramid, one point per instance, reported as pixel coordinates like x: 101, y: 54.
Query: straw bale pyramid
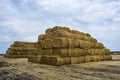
x: 60, y: 46
x: 20, y: 50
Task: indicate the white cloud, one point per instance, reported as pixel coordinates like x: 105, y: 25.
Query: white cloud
x: 29, y: 18
x: 4, y: 38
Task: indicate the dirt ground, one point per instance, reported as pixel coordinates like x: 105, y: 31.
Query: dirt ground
x: 20, y: 69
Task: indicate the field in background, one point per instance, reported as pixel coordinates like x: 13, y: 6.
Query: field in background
x: 20, y: 69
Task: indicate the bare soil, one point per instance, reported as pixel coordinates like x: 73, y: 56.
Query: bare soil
x: 20, y: 69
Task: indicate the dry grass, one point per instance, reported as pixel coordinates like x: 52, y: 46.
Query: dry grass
x: 20, y: 69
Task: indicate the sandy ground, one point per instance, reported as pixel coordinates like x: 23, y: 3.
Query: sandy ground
x: 20, y: 69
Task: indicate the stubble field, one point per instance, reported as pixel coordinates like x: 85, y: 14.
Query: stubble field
x: 20, y: 69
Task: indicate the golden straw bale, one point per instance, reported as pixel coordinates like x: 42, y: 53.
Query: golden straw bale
x: 97, y: 58
x: 34, y: 58
x: 48, y: 31
x: 74, y: 60
x: 67, y: 60
x: 76, y: 32
x: 60, y: 43
x: 81, y: 59
x: 18, y: 43
x: 47, y: 51
x: 107, y: 57
x: 99, y: 45
x: 61, y: 28
x: 107, y: 51
x: 48, y: 44
x: 41, y: 37
x: 61, y: 52
x: 88, y: 35
x: 39, y: 51
x: 52, y: 60
x: 61, y: 33
x: 75, y: 52
x: 93, y: 40
x: 88, y: 58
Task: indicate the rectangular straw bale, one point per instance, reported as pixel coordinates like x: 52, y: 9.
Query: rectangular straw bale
x: 76, y: 43
x: 93, y: 40
x: 8, y: 50
x: 81, y: 59
x: 18, y: 43
x: 100, y: 58
x: 56, y: 28
x: 107, y: 57
x: 92, y: 51
x: 107, y: 52
x: 70, y: 52
x: 67, y: 60
x: 85, y: 38
x: 60, y: 43
x: 52, y: 60
x: 39, y: 51
x: 75, y: 52
x: 88, y: 51
x: 61, y: 33
x: 99, y: 45
x: 88, y: 35
x: 37, y: 59
x: 44, y: 59
x: 49, y: 36
x: 16, y: 56
x: 47, y: 51
x: 87, y: 44
x: 61, y: 52
x: 48, y: 31
x: 40, y: 44
x: 74, y: 60
x: 97, y: 51
x: 76, y: 36
x: 95, y: 58
x: 46, y: 44
x: 76, y: 32
x: 22, y: 49
x: 82, y: 44
x: 71, y: 43
x: 88, y: 58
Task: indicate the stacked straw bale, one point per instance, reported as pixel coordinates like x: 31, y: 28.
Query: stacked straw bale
x: 20, y: 50
x: 60, y: 46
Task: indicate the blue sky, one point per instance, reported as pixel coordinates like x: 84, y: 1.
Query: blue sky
x: 24, y: 20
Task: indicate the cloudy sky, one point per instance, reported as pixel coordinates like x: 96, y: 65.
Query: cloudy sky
x: 24, y: 20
